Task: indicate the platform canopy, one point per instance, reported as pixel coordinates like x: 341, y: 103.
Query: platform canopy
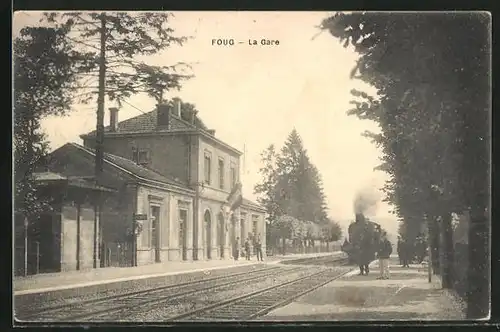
x: 51, y: 178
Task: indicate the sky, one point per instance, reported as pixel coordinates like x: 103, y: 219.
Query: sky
x: 254, y: 96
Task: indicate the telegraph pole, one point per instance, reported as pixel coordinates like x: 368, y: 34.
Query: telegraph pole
x: 100, y: 129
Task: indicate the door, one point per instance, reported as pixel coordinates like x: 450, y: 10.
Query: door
x: 182, y: 233
x: 233, y: 233
x: 222, y: 233
x: 208, y: 234
x: 155, y: 232
x: 242, y: 230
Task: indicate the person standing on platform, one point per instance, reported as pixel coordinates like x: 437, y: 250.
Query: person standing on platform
x: 258, y: 248
x: 247, y: 249
x: 384, y: 253
x: 366, y: 254
x: 405, y: 253
x: 400, y: 251
x: 236, y: 249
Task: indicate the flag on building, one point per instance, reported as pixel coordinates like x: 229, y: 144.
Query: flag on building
x: 235, y: 198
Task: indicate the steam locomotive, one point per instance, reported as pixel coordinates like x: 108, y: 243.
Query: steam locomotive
x: 364, y: 236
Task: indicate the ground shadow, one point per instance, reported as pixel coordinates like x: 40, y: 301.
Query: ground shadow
x: 365, y: 315
x: 368, y: 297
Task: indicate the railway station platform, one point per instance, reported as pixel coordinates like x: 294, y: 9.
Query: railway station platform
x: 53, y: 282
x: 407, y: 295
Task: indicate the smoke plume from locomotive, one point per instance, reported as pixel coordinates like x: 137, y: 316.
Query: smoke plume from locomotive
x: 365, y: 202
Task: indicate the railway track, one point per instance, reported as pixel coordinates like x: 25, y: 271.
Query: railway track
x: 69, y: 309
x: 260, y: 302
x: 126, y: 304
x: 179, y: 301
x: 116, y: 307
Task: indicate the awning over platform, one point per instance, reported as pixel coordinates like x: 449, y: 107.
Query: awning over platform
x: 51, y: 178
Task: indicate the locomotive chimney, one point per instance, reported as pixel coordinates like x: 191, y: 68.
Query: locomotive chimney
x: 360, y: 217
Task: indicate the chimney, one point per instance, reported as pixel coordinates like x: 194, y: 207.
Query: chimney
x: 163, y: 116
x: 177, y: 107
x: 193, y: 116
x: 211, y: 132
x: 113, y: 119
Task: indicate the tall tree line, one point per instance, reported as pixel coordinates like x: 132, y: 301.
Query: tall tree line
x: 432, y: 76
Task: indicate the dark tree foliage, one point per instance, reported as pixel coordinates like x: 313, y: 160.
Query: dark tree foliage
x: 291, y: 187
x: 128, y: 36
x: 267, y: 189
x: 300, y: 193
x: 432, y: 76
x: 44, y: 73
x: 331, y: 231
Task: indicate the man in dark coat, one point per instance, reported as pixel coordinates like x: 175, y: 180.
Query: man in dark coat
x: 236, y: 249
x: 400, y: 251
x: 247, y: 249
x: 258, y: 248
x: 420, y: 249
x: 404, y: 253
x: 365, y: 254
x: 407, y: 253
x: 384, y: 253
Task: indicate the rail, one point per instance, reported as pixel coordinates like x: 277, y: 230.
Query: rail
x: 258, y: 303
x: 116, y: 304
x: 115, y: 307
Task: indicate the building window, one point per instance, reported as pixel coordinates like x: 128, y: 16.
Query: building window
x: 233, y: 176
x: 255, y: 223
x: 208, y: 167
x: 221, y: 173
x: 141, y: 156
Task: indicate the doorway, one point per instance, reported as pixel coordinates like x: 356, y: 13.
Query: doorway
x: 222, y: 233
x: 155, y: 232
x: 208, y: 234
x: 233, y: 233
x: 242, y: 228
x: 182, y: 233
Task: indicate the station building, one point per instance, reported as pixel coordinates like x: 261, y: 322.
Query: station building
x: 176, y: 186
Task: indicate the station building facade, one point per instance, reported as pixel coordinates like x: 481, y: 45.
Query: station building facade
x: 170, y: 170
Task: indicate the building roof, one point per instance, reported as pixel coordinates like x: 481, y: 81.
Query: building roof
x: 147, y: 123
x: 136, y: 170
x: 252, y: 205
x: 46, y: 178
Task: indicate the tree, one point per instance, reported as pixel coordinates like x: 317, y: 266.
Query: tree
x: 267, y: 190
x: 292, y: 186
x: 127, y: 36
x: 44, y: 66
x: 430, y: 72
x: 283, y: 228
x: 331, y: 232
x: 44, y: 72
x: 298, y: 182
x: 114, y: 40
